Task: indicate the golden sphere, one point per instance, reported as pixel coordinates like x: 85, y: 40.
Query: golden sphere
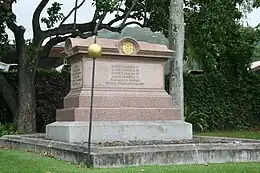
x: 94, y: 51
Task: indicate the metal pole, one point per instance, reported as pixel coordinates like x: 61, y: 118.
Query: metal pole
x: 91, y: 106
x: 91, y: 110
x: 75, y: 14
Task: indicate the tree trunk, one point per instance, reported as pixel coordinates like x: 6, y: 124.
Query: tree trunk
x: 176, y: 43
x: 26, y: 95
x: 9, y: 97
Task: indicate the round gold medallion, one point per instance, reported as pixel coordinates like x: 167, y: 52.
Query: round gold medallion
x: 128, y: 48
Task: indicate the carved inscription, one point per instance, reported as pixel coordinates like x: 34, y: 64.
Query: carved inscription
x: 125, y: 75
x: 76, y: 75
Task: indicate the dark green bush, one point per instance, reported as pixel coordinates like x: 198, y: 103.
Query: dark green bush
x: 7, y: 129
x: 229, y: 103
x: 197, y: 119
x: 51, y: 88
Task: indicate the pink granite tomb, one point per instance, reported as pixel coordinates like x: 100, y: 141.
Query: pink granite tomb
x: 130, y: 102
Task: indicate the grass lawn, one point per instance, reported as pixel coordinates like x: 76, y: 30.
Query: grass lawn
x: 235, y: 134
x: 12, y: 161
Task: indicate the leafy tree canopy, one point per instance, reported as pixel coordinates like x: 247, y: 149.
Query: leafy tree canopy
x: 215, y: 36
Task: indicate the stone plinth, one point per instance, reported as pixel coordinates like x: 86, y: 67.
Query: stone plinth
x: 130, y: 101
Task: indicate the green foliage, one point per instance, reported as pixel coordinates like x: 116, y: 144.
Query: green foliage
x: 229, y: 103
x: 216, y: 39
x: 54, y: 15
x: 256, y: 53
x: 31, y: 52
x: 256, y: 3
x: 198, y: 120
x: 214, y: 36
x: 3, y: 38
x: 158, y: 11
x: 107, y: 5
x: 51, y: 87
x: 8, y: 129
x: 4, y: 18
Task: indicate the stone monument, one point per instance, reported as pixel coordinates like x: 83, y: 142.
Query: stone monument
x: 130, y: 102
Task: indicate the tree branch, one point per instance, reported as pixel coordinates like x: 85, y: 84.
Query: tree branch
x: 95, y: 17
x: 13, y: 27
x: 6, y: 7
x: 36, y: 19
x: 64, y: 29
x: 121, y: 2
x: 118, y: 18
x: 54, y: 41
x: 91, y: 28
x: 69, y: 14
x: 87, y: 27
x: 145, y: 11
x: 127, y: 14
x: 69, y: 28
x: 132, y: 22
x: 99, y: 22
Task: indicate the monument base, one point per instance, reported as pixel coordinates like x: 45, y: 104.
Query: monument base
x: 77, y: 131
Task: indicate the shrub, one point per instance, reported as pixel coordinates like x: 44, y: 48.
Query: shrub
x: 51, y: 87
x: 229, y: 103
x: 198, y: 120
x: 7, y: 129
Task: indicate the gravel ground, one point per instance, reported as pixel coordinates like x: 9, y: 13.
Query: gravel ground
x: 161, y: 142
x: 195, y: 140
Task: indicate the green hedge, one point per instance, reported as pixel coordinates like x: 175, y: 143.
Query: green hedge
x: 51, y: 87
x: 229, y: 104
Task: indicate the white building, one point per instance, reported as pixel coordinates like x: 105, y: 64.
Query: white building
x: 2, y: 66
x: 255, y: 66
